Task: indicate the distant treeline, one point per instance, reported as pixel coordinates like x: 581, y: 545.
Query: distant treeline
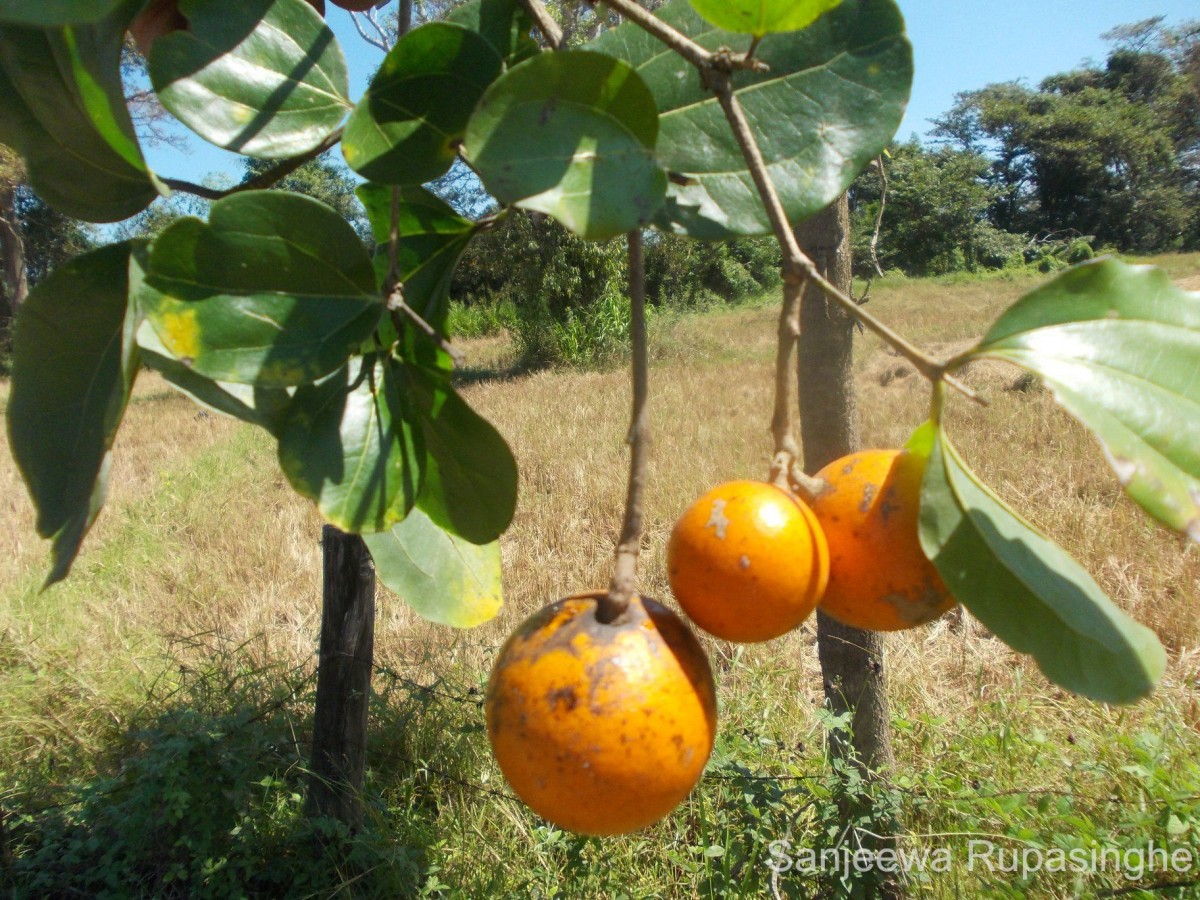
x: 1106, y: 156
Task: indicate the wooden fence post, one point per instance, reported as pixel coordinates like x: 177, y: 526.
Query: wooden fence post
x: 339, y: 753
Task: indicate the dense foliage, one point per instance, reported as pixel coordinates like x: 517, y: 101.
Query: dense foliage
x: 1106, y: 154
x: 567, y: 295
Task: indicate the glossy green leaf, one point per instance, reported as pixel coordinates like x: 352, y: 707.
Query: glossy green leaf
x: 74, y: 362
x: 257, y: 405
x: 54, y: 13
x: 570, y: 134
x: 470, y: 473
x: 430, y: 239
x: 407, y: 127
x: 263, y: 78
x: 1120, y: 347
x: 62, y: 107
x: 1027, y: 590
x: 276, y: 289
x: 442, y: 577
x: 831, y: 99
x: 503, y: 23
x: 762, y: 17
x: 352, y: 443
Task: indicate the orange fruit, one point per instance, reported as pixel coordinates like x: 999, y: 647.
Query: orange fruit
x: 602, y: 728
x: 747, y: 561
x: 879, y: 578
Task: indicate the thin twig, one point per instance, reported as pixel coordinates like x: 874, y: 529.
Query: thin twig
x: 262, y: 180
x: 545, y: 22
x: 782, y: 427
x: 797, y: 266
x: 379, y: 43
x: 883, y: 189
x: 624, y: 579
x: 715, y: 70
x: 676, y: 40
x: 397, y: 303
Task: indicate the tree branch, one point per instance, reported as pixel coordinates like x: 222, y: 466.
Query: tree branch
x: 883, y: 189
x: 379, y: 43
x: 715, y: 70
x: 260, y: 181
x: 782, y: 424
x: 397, y: 303
x: 624, y: 579
x: 545, y: 23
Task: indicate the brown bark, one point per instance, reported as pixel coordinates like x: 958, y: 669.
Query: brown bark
x: 339, y: 755
x: 852, y: 661
x: 13, y: 283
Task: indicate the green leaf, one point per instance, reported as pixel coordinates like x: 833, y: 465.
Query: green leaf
x: 275, y: 290
x: 1120, y: 347
x: 470, y: 473
x: 263, y: 78
x: 1028, y: 590
x: 74, y: 362
x: 442, y: 577
x: 54, y: 13
x: 761, y: 17
x: 503, y: 23
x: 62, y: 106
x: 570, y: 134
x: 407, y: 127
x: 257, y: 405
x: 830, y: 101
x: 430, y: 239
x: 352, y: 444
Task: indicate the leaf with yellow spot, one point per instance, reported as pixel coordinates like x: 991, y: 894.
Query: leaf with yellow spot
x: 181, y: 333
x: 275, y: 290
x: 442, y: 577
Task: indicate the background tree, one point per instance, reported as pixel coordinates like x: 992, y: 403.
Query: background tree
x: 1106, y: 151
x: 936, y: 217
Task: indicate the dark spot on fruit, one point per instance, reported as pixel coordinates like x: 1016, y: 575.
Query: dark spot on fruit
x: 564, y: 696
x: 867, y: 498
x: 886, y: 506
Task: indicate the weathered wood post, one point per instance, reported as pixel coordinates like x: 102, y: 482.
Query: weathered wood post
x: 339, y: 754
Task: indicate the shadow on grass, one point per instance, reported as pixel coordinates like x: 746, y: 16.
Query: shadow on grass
x: 203, y: 796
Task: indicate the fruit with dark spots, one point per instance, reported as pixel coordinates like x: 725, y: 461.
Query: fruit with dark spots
x: 602, y: 728
x: 879, y: 578
x: 747, y: 561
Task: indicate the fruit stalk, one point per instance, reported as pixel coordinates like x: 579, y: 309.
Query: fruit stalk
x: 624, y: 579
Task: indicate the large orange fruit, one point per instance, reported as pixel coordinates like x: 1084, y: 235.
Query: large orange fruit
x: 602, y: 728
x: 747, y: 561
x: 879, y: 578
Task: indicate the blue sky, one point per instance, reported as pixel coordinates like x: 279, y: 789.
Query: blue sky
x: 958, y: 45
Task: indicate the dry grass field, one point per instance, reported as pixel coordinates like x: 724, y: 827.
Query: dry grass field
x: 205, y: 562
